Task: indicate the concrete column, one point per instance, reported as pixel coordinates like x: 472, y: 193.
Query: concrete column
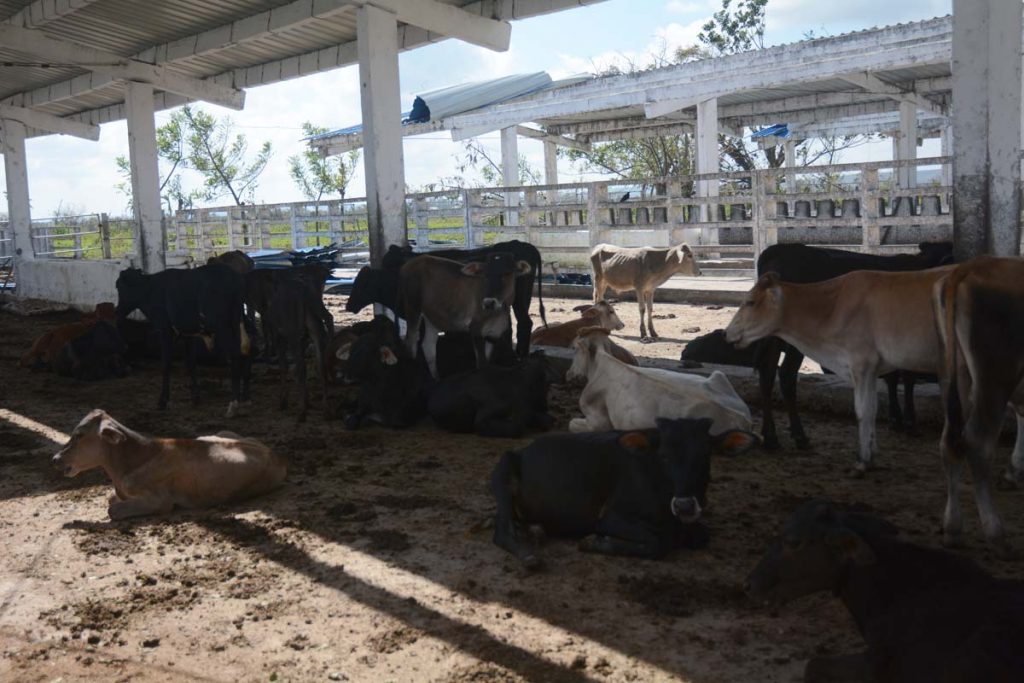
x: 986, y: 127
x: 550, y: 163
x: 707, y: 152
x: 510, y: 169
x: 149, y: 234
x: 19, y: 214
x: 790, y: 165
x: 906, y: 144
x: 377, y: 47
x: 946, y: 140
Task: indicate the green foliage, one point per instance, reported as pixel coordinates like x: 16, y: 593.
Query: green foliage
x: 735, y: 28
x: 316, y: 175
x: 476, y: 157
x: 217, y: 153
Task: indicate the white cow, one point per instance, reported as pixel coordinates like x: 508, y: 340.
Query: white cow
x: 621, y: 396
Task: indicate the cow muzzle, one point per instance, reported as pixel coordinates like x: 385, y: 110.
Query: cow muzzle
x: 65, y: 468
x: 491, y: 304
x: 686, y: 510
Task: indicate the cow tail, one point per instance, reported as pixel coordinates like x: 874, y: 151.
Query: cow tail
x: 540, y: 293
x: 953, y: 407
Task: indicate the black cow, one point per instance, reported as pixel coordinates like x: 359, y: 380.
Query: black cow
x: 97, y: 354
x: 261, y: 283
x: 494, y: 401
x: 205, y: 301
x: 925, y: 614
x: 382, y: 287
x: 803, y: 264
x: 296, y: 316
x: 628, y: 493
x: 713, y: 348
x: 391, y: 381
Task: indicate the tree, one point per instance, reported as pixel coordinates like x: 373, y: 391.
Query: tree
x: 476, y: 157
x: 734, y: 30
x: 217, y: 153
x: 316, y: 175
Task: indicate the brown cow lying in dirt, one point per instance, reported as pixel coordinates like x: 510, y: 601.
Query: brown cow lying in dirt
x: 152, y: 476
x: 46, y: 347
x: 601, y: 314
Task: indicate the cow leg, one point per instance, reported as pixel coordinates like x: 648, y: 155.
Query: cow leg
x: 767, y: 365
x: 479, y: 348
x: 524, y: 324
x: 190, y: 368
x: 892, y: 383
x: 298, y: 350
x: 282, y: 365
x: 166, y: 351
x: 233, y: 342
x: 909, y: 411
x: 412, y: 335
x: 1014, y: 475
x: 865, y: 400
x: 649, y: 300
x: 615, y: 535
x: 509, y: 531
x: 430, y: 334
x: 138, y: 507
x: 640, y: 307
x: 788, y: 373
x: 599, y: 287
x: 980, y: 435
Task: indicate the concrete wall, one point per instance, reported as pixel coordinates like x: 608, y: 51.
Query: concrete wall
x: 81, y: 284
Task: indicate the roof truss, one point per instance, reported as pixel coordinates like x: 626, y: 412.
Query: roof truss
x: 49, y: 123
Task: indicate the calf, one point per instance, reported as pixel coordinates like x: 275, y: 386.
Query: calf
x: 45, y: 348
x: 97, y: 354
x: 602, y: 314
x: 802, y: 264
x: 391, y: 382
x: 980, y: 309
x: 926, y: 615
x: 448, y: 296
x: 374, y: 286
x: 494, y: 401
x: 204, y: 301
x: 641, y: 269
x: 620, y: 396
x: 637, y: 493
x: 153, y: 476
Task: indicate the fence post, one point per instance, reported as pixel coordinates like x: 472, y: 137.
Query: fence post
x: 421, y: 217
x: 596, y: 193
x: 467, y: 213
x: 869, y: 208
x: 296, y: 225
x: 105, y: 235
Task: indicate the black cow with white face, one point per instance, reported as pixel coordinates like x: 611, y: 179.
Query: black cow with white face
x: 637, y: 493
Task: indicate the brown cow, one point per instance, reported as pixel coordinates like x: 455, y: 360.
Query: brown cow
x: 45, y: 348
x: 449, y: 296
x: 642, y: 269
x: 980, y: 309
x: 601, y: 315
x: 152, y: 476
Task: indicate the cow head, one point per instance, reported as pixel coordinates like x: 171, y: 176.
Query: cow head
x: 685, y: 446
x: 760, y: 313
x: 602, y: 314
x: 131, y: 290
x: 90, y: 443
x: 588, y: 341
x: 936, y: 253
x: 818, y: 545
x: 687, y: 262
x: 499, y: 271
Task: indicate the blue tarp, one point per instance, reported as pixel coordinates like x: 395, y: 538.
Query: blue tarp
x: 779, y: 130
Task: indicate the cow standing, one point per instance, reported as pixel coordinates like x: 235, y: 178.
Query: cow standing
x: 642, y: 269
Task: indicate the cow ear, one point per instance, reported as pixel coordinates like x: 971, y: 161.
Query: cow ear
x: 111, y: 432
x: 635, y: 441
x: 735, y: 442
x: 473, y: 268
x: 523, y: 268
x: 769, y: 280
x: 589, y: 312
x: 387, y: 356
x: 850, y: 546
x: 344, y: 351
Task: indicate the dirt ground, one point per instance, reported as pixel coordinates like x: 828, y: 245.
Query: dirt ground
x: 373, y: 562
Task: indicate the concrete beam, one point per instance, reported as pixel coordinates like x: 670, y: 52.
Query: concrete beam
x: 987, y: 127
x: 50, y: 123
x: 43, y: 12
x: 535, y: 134
x: 437, y: 17
x: 19, y: 213
x: 142, y: 156
x: 382, y: 126
x: 874, y: 84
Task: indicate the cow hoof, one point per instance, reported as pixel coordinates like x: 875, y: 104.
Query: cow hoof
x: 859, y: 470
x: 531, y: 562
x: 647, y: 340
x: 232, y: 409
x: 1011, y: 480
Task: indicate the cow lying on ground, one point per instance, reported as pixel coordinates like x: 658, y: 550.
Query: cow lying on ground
x: 601, y: 314
x: 448, y: 296
x: 713, y: 348
x: 153, y: 476
x: 926, y: 615
x: 97, y: 354
x: 862, y: 325
x: 391, y: 381
x: 620, y: 396
x: 799, y: 263
x: 628, y: 493
x: 494, y: 401
x: 642, y: 270
x: 980, y: 309
x: 205, y: 301
x: 45, y: 348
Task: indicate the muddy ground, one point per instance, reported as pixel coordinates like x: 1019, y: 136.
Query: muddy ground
x: 373, y: 563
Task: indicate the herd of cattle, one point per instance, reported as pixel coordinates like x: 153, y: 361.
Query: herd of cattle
x: 631, y: 475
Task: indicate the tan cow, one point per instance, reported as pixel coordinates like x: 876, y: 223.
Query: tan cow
x: 602, y: 314
x: 152, y: 476
x: 620, y: 396
x: 640, y: 269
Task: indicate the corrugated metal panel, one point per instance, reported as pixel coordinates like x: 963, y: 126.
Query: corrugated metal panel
x: 437, y: 104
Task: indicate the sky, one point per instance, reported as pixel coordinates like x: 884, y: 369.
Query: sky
x: 72, y: 175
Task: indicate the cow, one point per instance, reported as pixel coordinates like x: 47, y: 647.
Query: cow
x: 236, y: 260
x: 980, y: 310
x: 494, y: 401
x: 391, y: 381
x: 925, y: 615
x: 713, y: 348
x: 45, y: 348
x: 448, y: 296
x: 374, y: 286
x: 804, y: 264
x: 621, y: 396
x: 152, y: 476
x: 638, y: 493
x: 602, y: 314
x: 259, y: 290
x: 296, y: 316
x: 204, y: 301
x: 97, y: 354
x: 642, y: 269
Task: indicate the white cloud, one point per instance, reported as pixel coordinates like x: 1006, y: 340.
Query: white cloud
x: 690, y: 6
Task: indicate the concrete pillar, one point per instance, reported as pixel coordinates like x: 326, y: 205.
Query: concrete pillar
x: 790, y: 165
x: 377, y: 47
x: 19, y: 214
x: 986, y: 127
x: 946, y: 140
x: 707, y: 152
x: 149, y: 233
x: 906, y: 144
x: 550, y: 163
x: 510, y: 169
